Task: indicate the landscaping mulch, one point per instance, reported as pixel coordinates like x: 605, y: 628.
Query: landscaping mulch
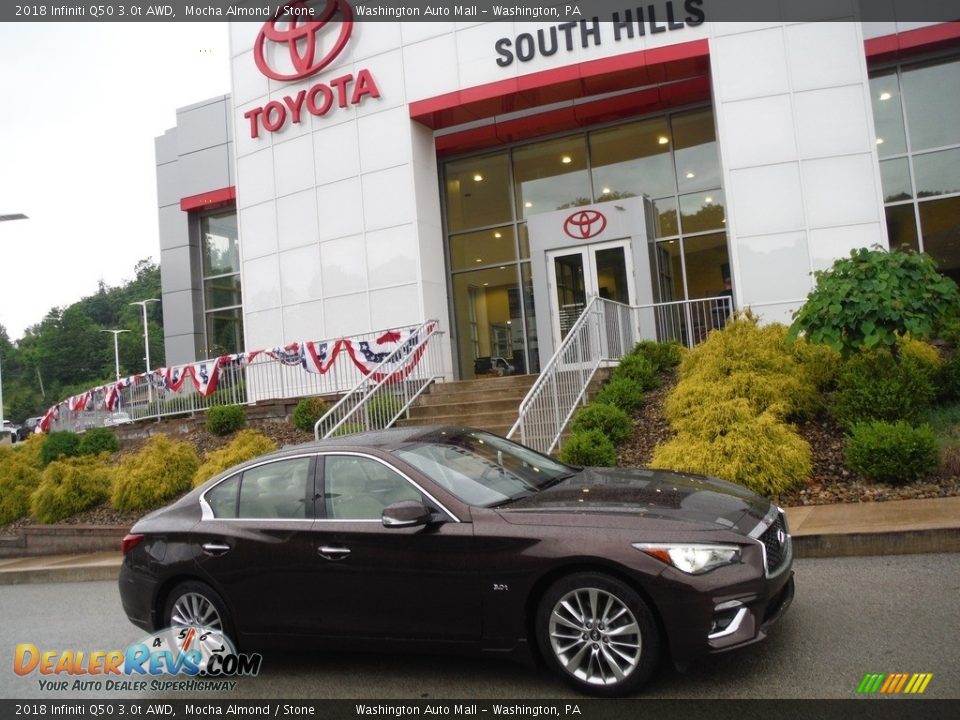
x: 830, y: 481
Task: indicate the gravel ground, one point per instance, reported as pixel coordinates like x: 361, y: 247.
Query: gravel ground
x: 830, y: 481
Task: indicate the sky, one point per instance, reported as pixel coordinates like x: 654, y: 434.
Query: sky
x: 80, y: 106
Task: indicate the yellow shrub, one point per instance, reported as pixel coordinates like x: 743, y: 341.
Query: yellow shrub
x: 30, y: 450
x: 819, y: 362
x: 923, y: 354
x: 760, y: 453
x: 753, y: 362
x: 70, y: 486
x: 246, y: 445
x: 161, y: 470
x: 18, y: 479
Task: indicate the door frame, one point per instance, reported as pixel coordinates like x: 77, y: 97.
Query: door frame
x: 587, y: 251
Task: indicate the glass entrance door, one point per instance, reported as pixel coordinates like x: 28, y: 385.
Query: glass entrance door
x: 576, y: 275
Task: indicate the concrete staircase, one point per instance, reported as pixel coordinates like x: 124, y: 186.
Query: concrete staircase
x: 486, y: 404
x: 491, y: 404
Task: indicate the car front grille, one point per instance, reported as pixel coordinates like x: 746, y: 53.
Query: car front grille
x: 776, y: 548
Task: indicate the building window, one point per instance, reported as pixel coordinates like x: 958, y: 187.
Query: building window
x: 918, y: 141
x: 671, y: 159
x: 222, y: 302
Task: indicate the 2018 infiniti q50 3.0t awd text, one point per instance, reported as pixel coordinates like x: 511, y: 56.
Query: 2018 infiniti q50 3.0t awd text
x: 449, y: 538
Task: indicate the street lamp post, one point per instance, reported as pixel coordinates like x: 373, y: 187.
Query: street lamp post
x: 5, y: 218
x: 116, y: 350
x: 146, y: 342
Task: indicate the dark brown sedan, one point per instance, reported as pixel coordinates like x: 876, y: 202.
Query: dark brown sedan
x: 449, y: 538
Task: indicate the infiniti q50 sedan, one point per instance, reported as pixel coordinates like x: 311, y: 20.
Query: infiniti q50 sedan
x: 447, y: 538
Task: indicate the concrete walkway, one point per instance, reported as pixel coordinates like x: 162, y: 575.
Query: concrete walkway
x: 876, y: 528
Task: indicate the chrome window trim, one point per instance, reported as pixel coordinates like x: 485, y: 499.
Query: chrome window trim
x: 206, y: 512
x: 399, y: 472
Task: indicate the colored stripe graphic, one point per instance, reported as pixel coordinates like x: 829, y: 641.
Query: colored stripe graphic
x: 894, y: 683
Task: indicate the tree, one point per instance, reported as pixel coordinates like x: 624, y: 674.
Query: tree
x: 870, y: 298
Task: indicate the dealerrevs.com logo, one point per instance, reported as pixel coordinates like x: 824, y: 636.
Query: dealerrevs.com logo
x: 303, y: 38
x: 186, y: 659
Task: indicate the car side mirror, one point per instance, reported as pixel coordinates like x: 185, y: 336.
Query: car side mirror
x: 406, y: 513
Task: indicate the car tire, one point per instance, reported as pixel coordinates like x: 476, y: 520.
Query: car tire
x: 598, y: 634
x: 195, y: 604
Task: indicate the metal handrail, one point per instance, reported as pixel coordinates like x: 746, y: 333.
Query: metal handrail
x: 604, y: 333
x: 395, y: 386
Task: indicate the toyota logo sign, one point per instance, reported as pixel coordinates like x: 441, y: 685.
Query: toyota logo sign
x: 585, y: 224
x: 302, y: 39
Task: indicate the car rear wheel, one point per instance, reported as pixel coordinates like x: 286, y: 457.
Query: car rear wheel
x: 598, y: 634
x: 197, y: 605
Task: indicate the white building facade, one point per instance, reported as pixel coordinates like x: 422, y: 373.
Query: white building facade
x: 494, y: 176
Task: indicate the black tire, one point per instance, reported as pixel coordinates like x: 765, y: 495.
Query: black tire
x: 598, y: 634
x: 195, y: 592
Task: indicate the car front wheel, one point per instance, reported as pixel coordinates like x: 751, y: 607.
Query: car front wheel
x: 598, y: 634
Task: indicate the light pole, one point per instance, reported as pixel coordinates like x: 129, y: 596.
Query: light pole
x: 5, y: 218
x: 146, y: 342
x: 116, y: 350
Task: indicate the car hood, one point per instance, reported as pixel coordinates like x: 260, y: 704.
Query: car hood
x: 653, y: 494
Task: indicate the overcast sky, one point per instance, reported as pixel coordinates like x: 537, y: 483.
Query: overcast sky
x: 81, y: 104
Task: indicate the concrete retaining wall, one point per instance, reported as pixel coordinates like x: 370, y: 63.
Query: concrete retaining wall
x: 34, y: 540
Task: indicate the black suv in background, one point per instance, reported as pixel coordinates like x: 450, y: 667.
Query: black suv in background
x: 28, y: 428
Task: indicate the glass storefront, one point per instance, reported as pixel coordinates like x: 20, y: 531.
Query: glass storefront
x: 223, y: 316
x: 917, y: 120
x: 670, y: 159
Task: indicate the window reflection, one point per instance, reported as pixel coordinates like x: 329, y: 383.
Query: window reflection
x: 695, y: 151
x: 485, y: 247
x: 937, y: 173
x: 932, y: 100
x: 551, y: 176
x: 902, y: 227
x: 888, y: 114
x: 702, y: 211
x: 940, y: 226
x: 708, y: 266
x: 220, y: 251
x: 222, y: 296
x: 895, y: 180
x: 632, y: 160
x: 478, y: 191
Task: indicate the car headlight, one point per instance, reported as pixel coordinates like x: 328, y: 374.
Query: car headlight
x: 692, y: 558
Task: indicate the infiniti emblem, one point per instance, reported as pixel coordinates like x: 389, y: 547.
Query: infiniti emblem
x: 781, y: 536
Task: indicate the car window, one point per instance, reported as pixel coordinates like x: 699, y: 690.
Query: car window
x: 222, y: 498
x: 359, y: 488
x: 275, y: 490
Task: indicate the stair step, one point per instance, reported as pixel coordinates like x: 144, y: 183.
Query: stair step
x: 484, y: 384
x: 514, y: 395
x: 478, y: 420
x: 473, y: 405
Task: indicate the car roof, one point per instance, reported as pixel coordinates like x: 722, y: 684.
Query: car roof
x: 388, y: 439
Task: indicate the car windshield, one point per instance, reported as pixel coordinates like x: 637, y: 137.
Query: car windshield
x: 483, y: 469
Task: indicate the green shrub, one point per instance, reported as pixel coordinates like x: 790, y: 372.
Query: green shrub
x: 757, y: 451
x: 947, y: 380
x: 590, y: 448
x: 159, y: 471
x: 613, y: 422
x: 639, y: 369
x: 819, y: 363
x: 382, y: 408
x: 18, y: 479
x: 621, y: 392
x: 246, y: 445
x: 225, y: 419
x: 891, y: 452
x: 307, y: 412
x: 662, y: 355
x: 70, y: 486
x: 874, y: 296
x: 877, y: 386
x: 58, y: 445
x: 98, y: 440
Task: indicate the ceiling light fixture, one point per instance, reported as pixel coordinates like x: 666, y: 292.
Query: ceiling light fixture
x: 879, y: 141
x: 478, y: 178
x: 708, y: 199
x: 566, y: 159
x: 528, y: 204
x: 690, y: 175
x: 607, y: 191
x: 885, y: 96
x: 663, y: 139
x: 497, y: 235
x: 479, y: 259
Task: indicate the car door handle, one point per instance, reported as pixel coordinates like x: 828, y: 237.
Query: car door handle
x: 333, y: 552
x: 215, y: 548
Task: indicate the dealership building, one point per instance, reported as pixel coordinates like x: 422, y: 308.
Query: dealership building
x: 495, y: 176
